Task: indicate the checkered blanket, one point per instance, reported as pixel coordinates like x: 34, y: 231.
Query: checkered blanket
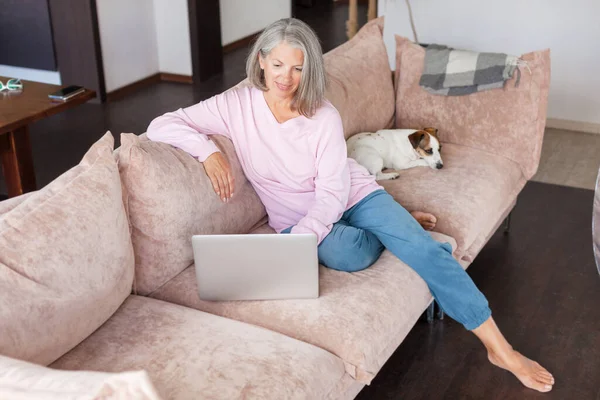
x: 450, y: 72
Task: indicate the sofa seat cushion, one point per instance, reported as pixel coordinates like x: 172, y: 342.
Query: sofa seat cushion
x: 468, y: 196
x: 66, y: 260
x: 189, y: 354
x: 361, y: 317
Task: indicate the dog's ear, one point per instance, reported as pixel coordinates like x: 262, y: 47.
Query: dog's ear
x: 415, y: 138
x: 431, y: 131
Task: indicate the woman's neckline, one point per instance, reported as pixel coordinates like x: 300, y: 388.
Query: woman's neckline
x: 273, y: 117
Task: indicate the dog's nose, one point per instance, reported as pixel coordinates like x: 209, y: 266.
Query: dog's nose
x: 439, y: 165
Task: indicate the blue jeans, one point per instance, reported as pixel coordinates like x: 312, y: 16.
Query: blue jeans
x: 378, y: 222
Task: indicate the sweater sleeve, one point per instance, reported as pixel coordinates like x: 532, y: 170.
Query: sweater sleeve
x: 332, y: 180
x: 188, y: 128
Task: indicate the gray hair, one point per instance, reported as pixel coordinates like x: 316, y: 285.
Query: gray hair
x: 311, y: 91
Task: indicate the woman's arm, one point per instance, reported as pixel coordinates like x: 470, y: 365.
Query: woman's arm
x: 188, y: 128
x: 332, y: 182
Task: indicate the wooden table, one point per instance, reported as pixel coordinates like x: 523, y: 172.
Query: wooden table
x: 17, y: 111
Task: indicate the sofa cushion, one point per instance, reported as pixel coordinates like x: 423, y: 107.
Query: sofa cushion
x: 360, y: 81
x: 20, y: 380
x: 508, y: 122
x: 361, y: 317
x: 169, y: 198
x: 9, y: 204
x: 66, y: 261
x: 189, y: 354
x: 468, y: 196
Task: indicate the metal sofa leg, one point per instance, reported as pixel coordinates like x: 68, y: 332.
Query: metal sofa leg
x: 430, y: 312
x: 440, y: 313
x: 507, y: 224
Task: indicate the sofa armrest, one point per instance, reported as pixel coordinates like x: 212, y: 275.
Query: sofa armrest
x: 508, y: 122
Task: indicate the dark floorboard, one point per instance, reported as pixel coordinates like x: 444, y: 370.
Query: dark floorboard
x: 544, y: 290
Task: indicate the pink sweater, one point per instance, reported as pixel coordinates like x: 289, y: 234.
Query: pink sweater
x: 299, y: 168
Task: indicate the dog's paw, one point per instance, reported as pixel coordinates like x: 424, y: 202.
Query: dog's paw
x: 382, y: 176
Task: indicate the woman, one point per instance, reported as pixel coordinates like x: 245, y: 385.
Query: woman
x: 291, y: 146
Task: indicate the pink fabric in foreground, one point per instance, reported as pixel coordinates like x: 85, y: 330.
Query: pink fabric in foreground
x: 20, y: 380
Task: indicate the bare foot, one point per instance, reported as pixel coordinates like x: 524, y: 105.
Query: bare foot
x: 529, y: 372
x: 426, y: 220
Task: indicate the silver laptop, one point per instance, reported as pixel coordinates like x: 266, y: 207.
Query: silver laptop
x: 256, y: 267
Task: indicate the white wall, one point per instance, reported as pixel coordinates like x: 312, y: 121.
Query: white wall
x: 36, y: 75
x: 173, y: 36
x: 569, y: 28
x: 241, y: 18
x: 140, y: 38
x: 128, y: 41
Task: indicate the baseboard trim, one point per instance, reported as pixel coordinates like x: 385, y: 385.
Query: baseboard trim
x: 243, y: 42
x: 132, y: 87
x: 142, y: 83
x: 166, y: 77
x: 340, y: 2
x: 579, y: 126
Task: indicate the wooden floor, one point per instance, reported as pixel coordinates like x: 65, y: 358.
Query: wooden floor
x: 544, y: 290
x: 541, y: 280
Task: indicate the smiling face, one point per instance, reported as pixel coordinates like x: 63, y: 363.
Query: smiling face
x: 283, y: 70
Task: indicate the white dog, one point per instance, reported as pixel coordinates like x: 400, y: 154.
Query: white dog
x: 396, y: 149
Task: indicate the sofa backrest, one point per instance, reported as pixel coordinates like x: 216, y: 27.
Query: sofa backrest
x: 169, y: 198
x: 360, y: 81
x: 9, y: 204
x: 508, y: 122
x: 66, y: 261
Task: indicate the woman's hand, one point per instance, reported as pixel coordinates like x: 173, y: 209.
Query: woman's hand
x: 219, y: 172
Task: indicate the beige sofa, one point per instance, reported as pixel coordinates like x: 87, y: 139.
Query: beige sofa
x: 96, y: 269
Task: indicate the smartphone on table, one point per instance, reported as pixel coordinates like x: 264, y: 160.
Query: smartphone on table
x: 66, y: 93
